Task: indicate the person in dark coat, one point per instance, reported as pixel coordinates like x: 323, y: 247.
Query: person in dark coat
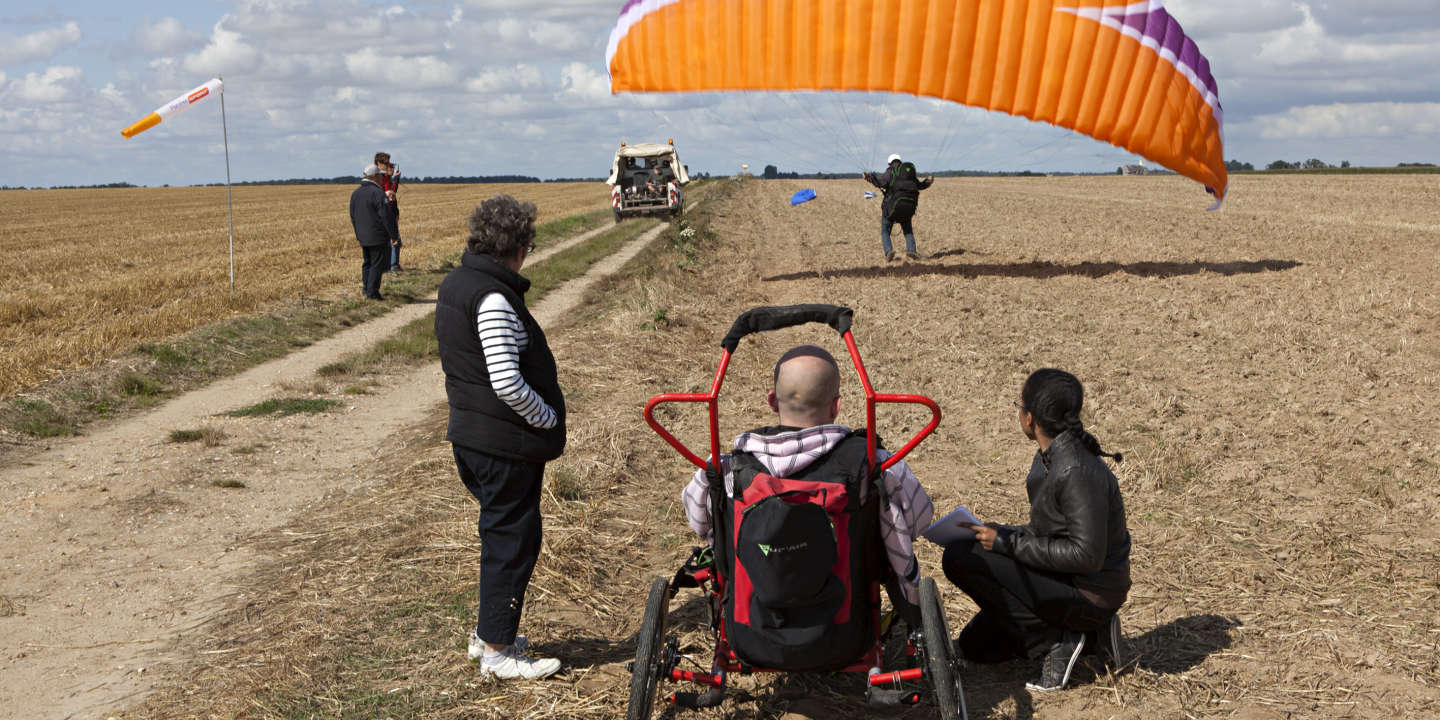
x: 901, y: 187
x: 507, y: 419
x: 1050, y: 588
x: 374, y: 221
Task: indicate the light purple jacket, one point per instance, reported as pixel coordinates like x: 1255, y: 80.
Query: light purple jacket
x: 786, y: 453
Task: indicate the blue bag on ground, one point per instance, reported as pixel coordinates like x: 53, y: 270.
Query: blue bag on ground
x: 805, y: 195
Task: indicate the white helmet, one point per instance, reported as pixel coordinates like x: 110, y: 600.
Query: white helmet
x: 893, y: 157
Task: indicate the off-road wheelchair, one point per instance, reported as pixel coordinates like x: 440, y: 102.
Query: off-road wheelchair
x: 774, y: 610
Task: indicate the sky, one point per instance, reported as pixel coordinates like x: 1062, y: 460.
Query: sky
x: 497, y: 87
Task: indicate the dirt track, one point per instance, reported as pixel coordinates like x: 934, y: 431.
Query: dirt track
x: 118, y: 543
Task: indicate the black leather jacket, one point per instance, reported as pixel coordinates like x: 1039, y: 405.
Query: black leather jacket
x: 1077, y: 522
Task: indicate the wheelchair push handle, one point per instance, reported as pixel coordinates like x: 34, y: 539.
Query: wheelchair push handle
x: 762, y: 319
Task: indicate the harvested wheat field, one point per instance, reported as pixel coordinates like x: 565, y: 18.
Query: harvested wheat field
x: 92, y: 272
x: 1267, y: 370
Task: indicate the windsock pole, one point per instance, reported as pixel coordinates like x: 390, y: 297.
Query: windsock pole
x: 225, y: 135
x: 179, y: 105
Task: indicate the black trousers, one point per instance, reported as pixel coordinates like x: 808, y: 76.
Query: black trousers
x: 1023, y: 611
x: 509, y: 495
x: 376, y: 262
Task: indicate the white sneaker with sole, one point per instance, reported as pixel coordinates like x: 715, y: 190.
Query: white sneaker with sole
x: 477, y: 646
x: 512, y: 664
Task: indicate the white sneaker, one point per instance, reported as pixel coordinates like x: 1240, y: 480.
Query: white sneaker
x: 511, y: 664
x: 477, y: 646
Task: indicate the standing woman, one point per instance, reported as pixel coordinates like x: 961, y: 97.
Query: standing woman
x: 507, y: 419
x: 1051, y: 587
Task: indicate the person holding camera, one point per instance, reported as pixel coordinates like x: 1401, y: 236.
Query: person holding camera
x: 390, y: 183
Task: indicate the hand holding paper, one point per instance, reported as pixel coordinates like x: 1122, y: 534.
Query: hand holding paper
x: 952, y: 527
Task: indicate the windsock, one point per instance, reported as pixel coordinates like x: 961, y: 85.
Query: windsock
x: 174, y: 107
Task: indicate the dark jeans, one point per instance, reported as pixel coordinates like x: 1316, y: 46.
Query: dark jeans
x: 1023, y: 611
x: 886, y: 224
x: 377, y: 258
x: 509, y: 495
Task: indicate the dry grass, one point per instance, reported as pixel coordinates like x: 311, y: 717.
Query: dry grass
x: 1266, y: 370
x: 93, y: 272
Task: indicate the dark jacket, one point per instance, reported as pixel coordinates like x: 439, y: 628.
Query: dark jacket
x: 1077, y: 522
x: 372, y: 216
x: 479, y: 419
x: 901, y: 187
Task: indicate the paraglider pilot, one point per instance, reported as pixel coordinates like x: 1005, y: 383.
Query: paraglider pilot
x: 902, y: 189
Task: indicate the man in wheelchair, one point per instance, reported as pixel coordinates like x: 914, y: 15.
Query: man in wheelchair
x: 800, y: 523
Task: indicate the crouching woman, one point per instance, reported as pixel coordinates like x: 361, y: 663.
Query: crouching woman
x: 1050, y: 588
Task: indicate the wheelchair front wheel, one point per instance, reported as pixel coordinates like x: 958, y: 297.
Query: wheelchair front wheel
x: 940, y: 662
x: 649, y: 649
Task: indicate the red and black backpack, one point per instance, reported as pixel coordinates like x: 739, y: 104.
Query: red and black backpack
x: 804, y: 555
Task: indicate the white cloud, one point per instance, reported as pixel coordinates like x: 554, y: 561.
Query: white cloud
x: 1298, y: 44
x: 1357, y: 120
x: 1212, y: 17
x: 56, y: 84
x: 39, y: 45
x: 1376, y: 16
x: 585, y: 84
x: 426, y: 71
x: 558, y: 37
x: 166, y: 37
x: 226, y: 51
x: 521, y: 76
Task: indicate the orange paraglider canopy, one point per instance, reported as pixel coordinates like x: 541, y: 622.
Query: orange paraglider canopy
x: 1121, y: 72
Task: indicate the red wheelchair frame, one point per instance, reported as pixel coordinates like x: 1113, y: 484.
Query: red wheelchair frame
x: 657, y: 659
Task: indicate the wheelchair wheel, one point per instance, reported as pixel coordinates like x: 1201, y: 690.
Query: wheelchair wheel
x: 940, y: 663
x: 645, y: 673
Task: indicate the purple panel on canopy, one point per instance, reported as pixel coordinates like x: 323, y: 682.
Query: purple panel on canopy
x: 1204, y: 72
x: 1137, y: 21
x: 1189, y: 54
x: 1174, y: 38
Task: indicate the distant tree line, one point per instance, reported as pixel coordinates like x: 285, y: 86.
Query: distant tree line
x: 1311, y: 164
x: 404, y: 180
x: 80, y: 187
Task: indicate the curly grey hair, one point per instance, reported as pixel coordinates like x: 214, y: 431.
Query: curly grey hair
x: 500, y: 226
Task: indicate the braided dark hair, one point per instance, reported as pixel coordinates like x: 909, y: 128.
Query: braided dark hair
x: 1054, y: 398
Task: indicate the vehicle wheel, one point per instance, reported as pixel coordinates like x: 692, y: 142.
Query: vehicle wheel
x: 679, y: 210
x: 939, y: 654
x: 618, y: 217
x: 645, y: 674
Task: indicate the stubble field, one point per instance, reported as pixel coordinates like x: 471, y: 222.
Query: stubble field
x: 93, y: 272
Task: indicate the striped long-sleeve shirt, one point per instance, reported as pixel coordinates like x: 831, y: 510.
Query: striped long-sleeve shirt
x: 790, y: 452
x: 503, y: 336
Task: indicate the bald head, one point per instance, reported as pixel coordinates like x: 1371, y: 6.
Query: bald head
x: 807, y: 387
